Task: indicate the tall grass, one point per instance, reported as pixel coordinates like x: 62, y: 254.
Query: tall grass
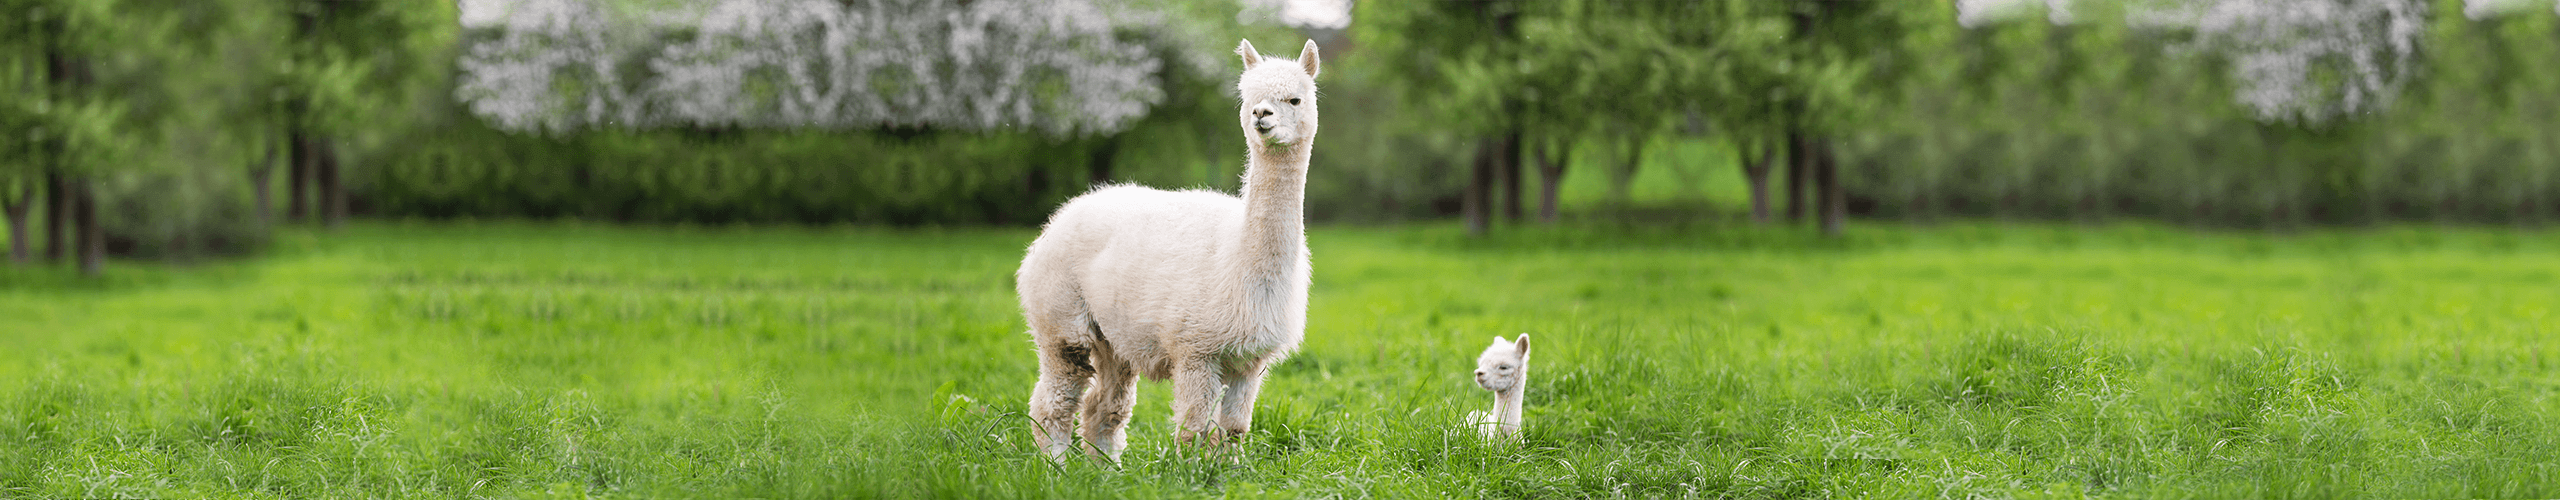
x: 567, y: 361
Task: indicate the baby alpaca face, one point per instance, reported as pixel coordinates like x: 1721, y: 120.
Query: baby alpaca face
x: 1503, y: 364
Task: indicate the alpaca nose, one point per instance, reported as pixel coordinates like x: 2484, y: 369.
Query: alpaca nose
x: 1261, y: 111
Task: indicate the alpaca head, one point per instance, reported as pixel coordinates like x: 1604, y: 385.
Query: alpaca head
x: 1503, y: 364
x: 1279, y: 109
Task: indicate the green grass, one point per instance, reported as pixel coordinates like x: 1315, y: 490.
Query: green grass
x: 558, y: 361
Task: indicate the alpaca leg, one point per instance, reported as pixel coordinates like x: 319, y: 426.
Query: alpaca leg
x: 1065, y: 369
x: 1243, y: 384
x: 1106, y: 409
x: 1195, y: 400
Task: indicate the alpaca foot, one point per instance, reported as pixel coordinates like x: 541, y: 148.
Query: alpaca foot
x: 1211, y: 445
x: 1212, y: 438
x: 1100, y: 452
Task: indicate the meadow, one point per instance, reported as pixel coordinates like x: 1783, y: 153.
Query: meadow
x: 541, y: 360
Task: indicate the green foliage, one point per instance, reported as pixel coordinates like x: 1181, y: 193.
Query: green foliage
x: 672, y: 176
x: 1559, y: 67
x: 554, y: 360
x: 345, y: 66
x: 55, y: 121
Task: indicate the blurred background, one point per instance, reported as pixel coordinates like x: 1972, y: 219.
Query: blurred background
x: 189, y: 129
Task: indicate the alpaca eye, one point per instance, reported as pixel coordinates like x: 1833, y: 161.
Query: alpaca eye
x: 1293, y: 101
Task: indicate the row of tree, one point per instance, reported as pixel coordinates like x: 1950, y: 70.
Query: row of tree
x: 2247, y: 111
x: 1537, y: 79
x: 129, y: 121
x: 2360, y: 111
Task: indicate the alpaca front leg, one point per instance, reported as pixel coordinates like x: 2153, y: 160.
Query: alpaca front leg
x: 1195, y: 401
x: 1243, y: 385
x: 1064, y: 372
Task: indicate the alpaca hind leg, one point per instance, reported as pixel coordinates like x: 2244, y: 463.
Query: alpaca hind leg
x: 1195, y: 401
x: 1243, y: 383
x: 1065, y: 370
x: 1106, y: 408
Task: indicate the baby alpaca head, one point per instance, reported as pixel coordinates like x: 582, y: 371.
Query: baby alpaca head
x: 1279, y: 109
x: 1503, y: 364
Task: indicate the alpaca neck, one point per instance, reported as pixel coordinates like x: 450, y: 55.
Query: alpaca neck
x: 1506, y: 407
x: 1275, y: 185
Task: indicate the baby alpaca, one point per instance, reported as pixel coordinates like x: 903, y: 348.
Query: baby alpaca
x: 1503, y: 369
x: 1206, y: 289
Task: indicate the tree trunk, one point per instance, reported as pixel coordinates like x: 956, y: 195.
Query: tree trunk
x: 1509, y: 173
x: 1480, y: 188
x: 16, y: 208
x: 93, y: 239
x: 1630, y: 161
x: 57, y: 216
x: 259, y: 183
x: 297, y: 195
x: 332, y: 184
x: 1098, y: 162
x: 1756, y: 169
x: 1796, y: 172
x: 1551, y: 165
x: 1835, y: 202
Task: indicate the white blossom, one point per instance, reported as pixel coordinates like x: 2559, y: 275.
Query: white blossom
x: 1053, y: 66
x: 1310, y: 14
x: 2484, y: 9
x: 2279, y: 50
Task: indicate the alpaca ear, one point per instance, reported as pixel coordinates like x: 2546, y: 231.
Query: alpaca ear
x: 1498, y: 340
x: 1524, y: 345
x: 1308, y: 58
x: 1245, y: 50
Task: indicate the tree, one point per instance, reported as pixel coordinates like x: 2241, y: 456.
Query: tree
x: 1075, y: 72
x: 20, y: 170
x: 1459, y: 59
x: 810, y: 64
x: 1833, y: 48
x: 345, y: 66
x: 1623, y: 67
x: 63, y: 127
x: 2307, y: 61
x: 1749, y: 88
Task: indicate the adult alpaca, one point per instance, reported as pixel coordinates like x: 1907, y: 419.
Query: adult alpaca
x: 1200, y: 287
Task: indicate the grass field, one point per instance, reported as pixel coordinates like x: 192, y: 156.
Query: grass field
x: 565, y: 361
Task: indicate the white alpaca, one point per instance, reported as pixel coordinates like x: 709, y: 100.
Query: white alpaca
x: 1203, y: 288
x: 1503, y: 369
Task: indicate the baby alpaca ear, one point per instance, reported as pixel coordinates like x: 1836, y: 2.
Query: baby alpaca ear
x: 1245, y: 50
x: 1498, y: 340
x: 1308, y: 58
x: 1524, y: 344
